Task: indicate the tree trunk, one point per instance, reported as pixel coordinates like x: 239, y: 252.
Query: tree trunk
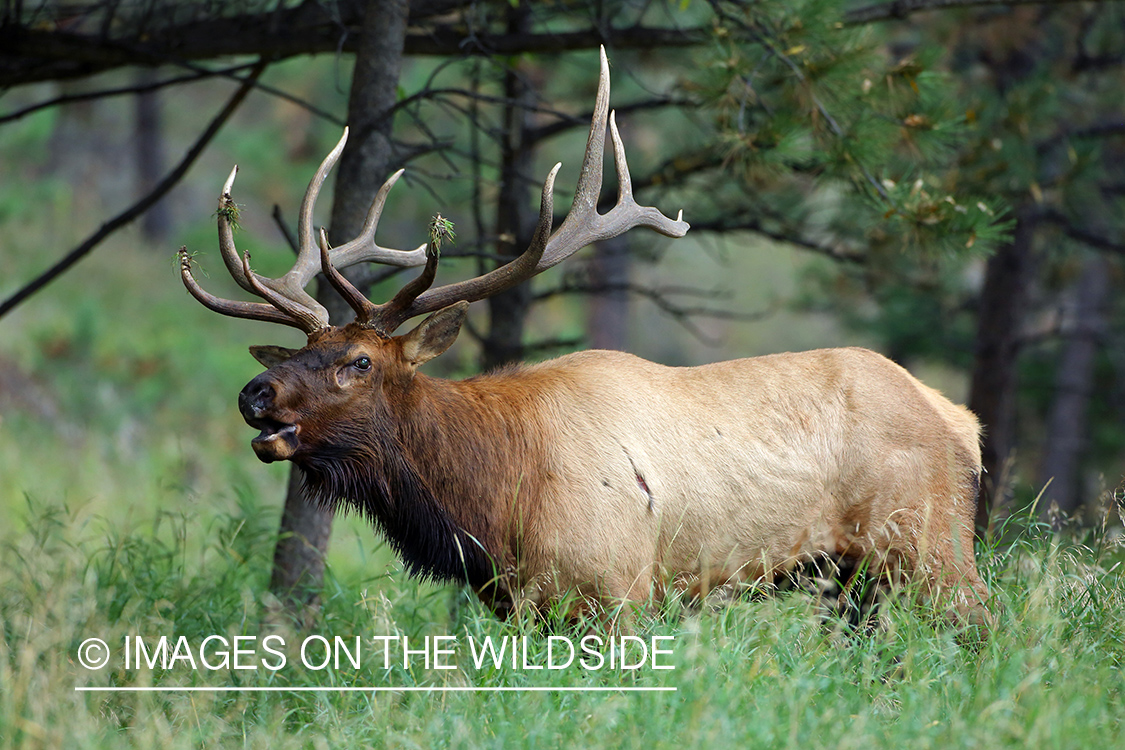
x: 298, y: 571
x: 298, y: 558
x: 82, y: 149
x: 514, y: 219
x: 148, y: 142
x: 608, y: 323
x: 1004, y: 298
x: 1066, y: 425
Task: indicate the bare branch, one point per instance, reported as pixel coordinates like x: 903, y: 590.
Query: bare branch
x: 435, y: 93
x: 684, y: 315
x: 545, y: 345
x: 121, y: 90
x: 449, y: 41
x: 567, y: 122
x: 1085, y: 63
x: 900, y: 9
x: 286, y: 232
x: 1080, y: 234
x: 754, y: 225
x: 33, y: 54
x: 679, y: 166
x: 1099, y: 130
x: 138, y: 208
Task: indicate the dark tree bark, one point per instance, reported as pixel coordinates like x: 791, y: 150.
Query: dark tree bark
x: 608, y: 322
x: 1011, y: 272
x: 514, y: 218
x: 298, y: 558
x: 366, y: 160
x: 148, y: 143
x: 298, y: 572
x: 1067, y: 424
x: 1004, y: 299
x: 30, y: 53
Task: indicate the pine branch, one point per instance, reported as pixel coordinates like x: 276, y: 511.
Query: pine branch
x: 772, y: 47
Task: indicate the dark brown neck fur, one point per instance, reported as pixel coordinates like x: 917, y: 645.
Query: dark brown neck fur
x: 447, y: 473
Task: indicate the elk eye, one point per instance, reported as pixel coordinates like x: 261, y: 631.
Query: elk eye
x: 363, y: 363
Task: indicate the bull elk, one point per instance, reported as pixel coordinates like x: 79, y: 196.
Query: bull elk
x: 599, y: 474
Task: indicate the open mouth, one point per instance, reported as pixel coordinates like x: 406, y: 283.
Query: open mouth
x: 277, y: 441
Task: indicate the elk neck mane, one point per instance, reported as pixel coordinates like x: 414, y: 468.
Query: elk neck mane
x: 440, y: 472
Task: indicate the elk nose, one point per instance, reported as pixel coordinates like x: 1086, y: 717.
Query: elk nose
x: 256, y: 397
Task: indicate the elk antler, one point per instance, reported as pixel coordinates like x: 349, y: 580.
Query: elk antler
x: 287, y: 302
x: 291, y: 305
x: 583, y: 225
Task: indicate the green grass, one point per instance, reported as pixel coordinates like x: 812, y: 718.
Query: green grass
x: 756, y: 674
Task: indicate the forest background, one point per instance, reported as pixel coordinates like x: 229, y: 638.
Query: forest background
x: 940, y: 181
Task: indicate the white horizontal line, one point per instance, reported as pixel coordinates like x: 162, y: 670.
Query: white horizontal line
x: 381, y: 689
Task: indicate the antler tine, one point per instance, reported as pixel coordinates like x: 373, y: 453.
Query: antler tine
x: 495, y: 281
x: 627, y: 213
x: 364, y: 247
x: 226, y: 212
x: 589, y: 187
x: 289, y: 303
x: 582, y: 226
x: 390, y: 315
x: 308, y: 320
x: 306, y: 239
x: 286, y: 306
x: 620, y: 164
x: 362, y: 306
x: 293, y: 283
x: 251, y: 310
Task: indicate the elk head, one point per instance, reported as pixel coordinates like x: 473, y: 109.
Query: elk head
x: 331, y: 397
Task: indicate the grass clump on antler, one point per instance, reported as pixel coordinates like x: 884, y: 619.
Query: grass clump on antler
x: 441, y: 231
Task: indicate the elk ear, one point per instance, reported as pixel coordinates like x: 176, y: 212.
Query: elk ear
x: 434, y: 335
x: 269, y: 356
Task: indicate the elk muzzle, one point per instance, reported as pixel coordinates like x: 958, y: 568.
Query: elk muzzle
x: 277, y: 440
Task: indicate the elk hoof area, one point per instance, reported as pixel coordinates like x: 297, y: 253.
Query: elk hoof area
x: 276, y: 446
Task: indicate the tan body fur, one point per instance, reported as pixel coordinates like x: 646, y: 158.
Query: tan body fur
x: 617, y: 475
